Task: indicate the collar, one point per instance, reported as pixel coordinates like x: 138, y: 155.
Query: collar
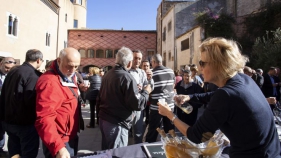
x: 120, y: 66
x: 186, y: 85
x: 66, y: 84
x: 64, y: 78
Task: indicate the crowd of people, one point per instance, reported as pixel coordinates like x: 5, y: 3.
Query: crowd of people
x: 237, y: 100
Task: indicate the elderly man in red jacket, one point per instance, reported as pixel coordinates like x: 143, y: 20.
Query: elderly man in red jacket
x: 57, y: 106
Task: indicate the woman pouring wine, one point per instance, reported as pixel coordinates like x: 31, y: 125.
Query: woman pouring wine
x: 238, y: 108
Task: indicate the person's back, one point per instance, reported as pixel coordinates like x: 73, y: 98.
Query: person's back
x: 163, y: 79
x: 115, y: 105
x: 119, y: 97
x: 18, y: 106
x: 20, y: 98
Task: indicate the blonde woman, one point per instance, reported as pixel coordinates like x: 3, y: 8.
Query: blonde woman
x: 238, y: 108
x: 92, y: 93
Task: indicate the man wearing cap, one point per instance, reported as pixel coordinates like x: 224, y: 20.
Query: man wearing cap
x: 5, y: 66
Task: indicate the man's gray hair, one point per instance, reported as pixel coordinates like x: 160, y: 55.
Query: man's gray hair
x: 124, y: 56
x: 157, y: 58
x: 259, y: 71
x: 62, y: 54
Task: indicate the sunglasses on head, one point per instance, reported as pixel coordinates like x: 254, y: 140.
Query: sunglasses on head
x: 202, y: 63
x: 10, y: 62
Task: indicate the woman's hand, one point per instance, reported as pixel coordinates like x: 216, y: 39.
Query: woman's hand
x: 180, y: 99
x: 164, y: 110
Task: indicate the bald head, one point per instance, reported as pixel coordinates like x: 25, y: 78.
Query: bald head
x: 69, y: 61
x: 6, y: 64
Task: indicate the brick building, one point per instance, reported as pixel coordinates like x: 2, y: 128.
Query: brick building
x: 98, y: 47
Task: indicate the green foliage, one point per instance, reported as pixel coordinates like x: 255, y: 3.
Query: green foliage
x: 216, y: 24
x: 256, y: 24
x: 267, y: 50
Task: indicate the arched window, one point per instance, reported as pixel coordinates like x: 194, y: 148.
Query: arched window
x: 91, y: 53
x: 99, y: 53
x: 82, y: 53
x: 108, y: 53
x: 115, y: 52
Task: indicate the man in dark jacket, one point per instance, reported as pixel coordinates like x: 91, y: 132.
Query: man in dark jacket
x: 119, y: 96
x: 18, y: 97
x: 260, y: 79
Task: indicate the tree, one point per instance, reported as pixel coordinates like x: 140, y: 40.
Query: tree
x: 267, y: 50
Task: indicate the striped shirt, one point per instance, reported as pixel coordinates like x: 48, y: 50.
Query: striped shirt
x: 164, y: 78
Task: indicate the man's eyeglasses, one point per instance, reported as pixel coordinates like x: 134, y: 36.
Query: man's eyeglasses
x: 202, y: 63
x: 42, y: 60
x: 10, y: 62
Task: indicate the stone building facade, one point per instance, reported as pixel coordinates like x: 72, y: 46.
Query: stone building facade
x: 185, y: 32
x: 38, y: 24
x: 98, y: 47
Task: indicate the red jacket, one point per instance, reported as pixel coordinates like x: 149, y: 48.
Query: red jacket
x: 57, y: 111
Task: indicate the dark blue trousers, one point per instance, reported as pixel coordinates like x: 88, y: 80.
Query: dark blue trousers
x: 23, y: 140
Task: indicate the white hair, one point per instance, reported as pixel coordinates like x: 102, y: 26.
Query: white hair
x: 124, y: 56
x: 62, y: 54
x: 157, y: 58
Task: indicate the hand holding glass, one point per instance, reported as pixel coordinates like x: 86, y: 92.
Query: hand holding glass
x: 178, y: 99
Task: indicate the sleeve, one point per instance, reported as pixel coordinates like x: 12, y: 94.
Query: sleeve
x: 213, y: 117
x: 29, y: 93
x: 202, y: 98
x: 48, y: 100
x: 133, y: 98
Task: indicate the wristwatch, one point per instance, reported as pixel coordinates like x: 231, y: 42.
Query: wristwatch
x: 173, y: 119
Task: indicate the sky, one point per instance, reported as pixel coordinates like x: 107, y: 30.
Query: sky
x: 126, y: 14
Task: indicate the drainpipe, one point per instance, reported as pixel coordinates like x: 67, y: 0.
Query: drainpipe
x: 175, y: 46
x: 57, y: 53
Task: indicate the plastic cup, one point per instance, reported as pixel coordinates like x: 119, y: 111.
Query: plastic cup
x: 162, y: 101
x: 86, y: 82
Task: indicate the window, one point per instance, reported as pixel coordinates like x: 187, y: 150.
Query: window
x: 185, y: 44
x: 99, y: 53
x: 65, y: 18
x: 108, y: 53
x: 75, y: 25
x: 170, y: 56
x: 115, y: 52
x: 48, y: 36
x: 82, y: 53
x: 164, y: 56
x: 150, y: 53
x: 164, y: 34
x: 65, y: 44
x: 79, y: 2
x: 12, y: 25
x: 91, y: 53
x: 71, y: 1
x: 169, y: 26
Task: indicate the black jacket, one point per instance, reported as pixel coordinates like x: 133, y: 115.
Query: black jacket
x: 18, y: 95
x: 93, y: 91
x: 119, y: 97
x: 267, y: 87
